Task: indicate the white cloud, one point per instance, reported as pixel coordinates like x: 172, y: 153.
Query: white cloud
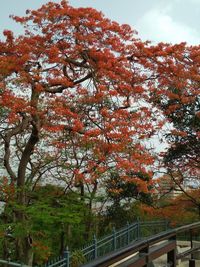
x: 158, y: 26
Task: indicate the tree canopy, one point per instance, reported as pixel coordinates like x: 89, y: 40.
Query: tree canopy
x: 78, y: 94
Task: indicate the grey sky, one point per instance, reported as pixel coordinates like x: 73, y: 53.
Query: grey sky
x: 156, y: 20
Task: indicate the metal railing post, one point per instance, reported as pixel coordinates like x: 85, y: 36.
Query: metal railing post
x: 138, y: 228
x: 114, y: 239
x: 191, y: 242
x: 128, y: 232
x: 166, y: 225
x: 66, y: 256
x: 95, y: 246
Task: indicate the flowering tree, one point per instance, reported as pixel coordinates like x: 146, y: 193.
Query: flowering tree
x: 70, y: 94
x: 175, y: 92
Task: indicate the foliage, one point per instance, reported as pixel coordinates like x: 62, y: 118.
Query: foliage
x: 53, y: 221
x: 187, y: 205
x: 117, y: 215
x: 122, y: 190
x: 124, y: 197
x: 176, y: 94
x: 77, y: 258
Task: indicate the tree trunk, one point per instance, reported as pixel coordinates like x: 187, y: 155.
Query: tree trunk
x: 24, y: 250
x: 24, y: 244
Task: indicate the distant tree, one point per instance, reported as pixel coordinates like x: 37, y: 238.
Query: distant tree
x: 123, y: 197
x: 175, y: 92
x: 175, y: 96
x: 186, y: 203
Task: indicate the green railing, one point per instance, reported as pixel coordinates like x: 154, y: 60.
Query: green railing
x: 99, y: 247
x: 144, y: 252
x: 118, y: 239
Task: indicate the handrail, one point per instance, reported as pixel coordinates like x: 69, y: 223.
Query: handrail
x: 187, y: 227
x: 121, y: 238
x: 145, y: 251
x: 143, y: 247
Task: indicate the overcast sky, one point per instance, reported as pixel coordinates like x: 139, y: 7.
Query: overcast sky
x: 156, y: 20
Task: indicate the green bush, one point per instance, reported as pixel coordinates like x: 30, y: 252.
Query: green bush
x: 77, y: 258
